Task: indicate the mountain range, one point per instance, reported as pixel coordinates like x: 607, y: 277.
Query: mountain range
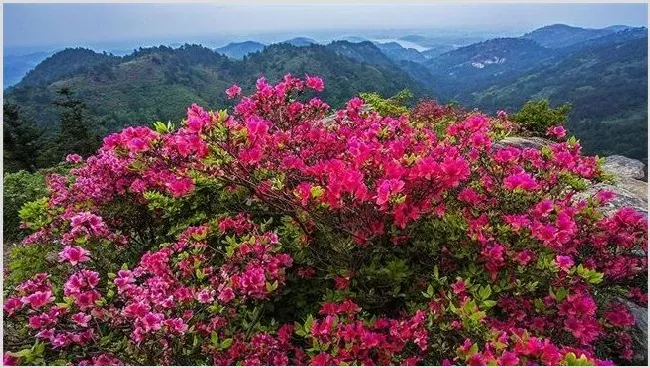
x: 602, y: 72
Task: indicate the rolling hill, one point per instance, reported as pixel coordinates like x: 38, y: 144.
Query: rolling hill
x: 237, y: 50
x: 603, y: 73
x: 396, y: 52
x: 562, y: 35
x: 464, y: 70
x: 159, y: 83
x: 605, y: 82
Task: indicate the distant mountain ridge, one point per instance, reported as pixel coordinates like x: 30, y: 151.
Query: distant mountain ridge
x: 237, y: 50
x: 561, y: 35
x: 157, y: 84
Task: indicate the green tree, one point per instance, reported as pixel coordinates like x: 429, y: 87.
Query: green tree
x: 21, y: 140
x: 76, y: 135
x: 537, y: 115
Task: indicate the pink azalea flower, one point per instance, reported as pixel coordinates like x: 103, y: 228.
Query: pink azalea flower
x: 458, y: 287
x: 137, y: 144
x: 73, y: 158
x: 81, y: 319
x: 523, y: 181
x: 152, y: 321
x: 9, y: 360
x: 205, y: 296
x: 620, y: 316
x: 226, y: 295
x: 38, y: 299
x: 315, y: 83
x: 176, y: 325
x: 564, y: 262
x: 556, y: 131
x: 11, y: 305
x: 233, y: 91
x: 74, y: 255
x: 180, y: 186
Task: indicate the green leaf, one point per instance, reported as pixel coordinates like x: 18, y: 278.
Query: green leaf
x: 225, y: 344
x: 560, y: 294
x: 484, y: 292
x: 300, y: 331
x: 317, y: 191
x: 487, y: 304
x: 308, y: 323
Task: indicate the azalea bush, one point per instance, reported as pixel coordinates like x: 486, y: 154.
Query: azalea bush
x: 279, y: 234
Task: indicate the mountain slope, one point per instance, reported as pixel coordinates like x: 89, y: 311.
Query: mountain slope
x: 397, y: 53
x: 160, y: 83
x: 607, y: 84
x: 66, y: 62
x: 364, y: 52
x: 480, y: 65
x: 237, y: 50
x: 562, y: 35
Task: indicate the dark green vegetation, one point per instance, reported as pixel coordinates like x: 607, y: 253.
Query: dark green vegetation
x: 604, y: 78
x: 536, y: 116
x: 602, y: 73
x: 606, y: 82
x: 561, y: 35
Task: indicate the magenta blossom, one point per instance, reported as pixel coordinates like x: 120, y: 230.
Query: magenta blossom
x: 233, y: 91
x: 74, y: 255
x: 564, y: 262
x: 38, y: 299
x: 315, y: 83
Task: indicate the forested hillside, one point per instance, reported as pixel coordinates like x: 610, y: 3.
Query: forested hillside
x: 157, y: 84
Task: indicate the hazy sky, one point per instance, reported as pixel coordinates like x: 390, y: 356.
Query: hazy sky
x: 78, y: 24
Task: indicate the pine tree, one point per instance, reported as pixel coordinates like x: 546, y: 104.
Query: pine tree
x: 75, y: 134
x: 21, y: 139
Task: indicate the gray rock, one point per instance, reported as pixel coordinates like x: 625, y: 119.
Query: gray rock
x: 639, y: 332
x: 523, y: 142
x: 623, y: 167
x: 638, y: 188
x: 329, y: 119
x: 623, y: 197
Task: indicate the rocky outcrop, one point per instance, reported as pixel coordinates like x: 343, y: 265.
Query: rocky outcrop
x: 628, y: 190
x: 623, y: 167
x: 523, y: 142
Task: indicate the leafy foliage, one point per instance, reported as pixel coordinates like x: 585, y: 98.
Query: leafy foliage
x: 393, y: 106
x: 538, y: 116
x: 19, y: 188
x: 276, y: 234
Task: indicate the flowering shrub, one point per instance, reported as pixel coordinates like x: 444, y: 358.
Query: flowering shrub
x: 275, y: 236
